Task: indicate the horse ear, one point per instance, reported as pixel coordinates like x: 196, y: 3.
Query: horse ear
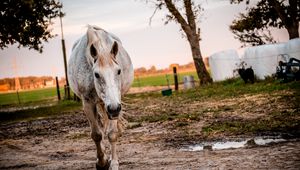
x: 114, y: 49
x: 91, y: 35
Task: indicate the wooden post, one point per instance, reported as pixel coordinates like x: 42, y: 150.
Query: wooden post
x: 67, y: 91
x: 175, y: 78
x: 18, y: 97
x: 57, y: 89
x: 67, y: 88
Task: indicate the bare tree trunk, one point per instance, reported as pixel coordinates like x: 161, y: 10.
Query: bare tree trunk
x: 202, y: 73
x: 190, y: 29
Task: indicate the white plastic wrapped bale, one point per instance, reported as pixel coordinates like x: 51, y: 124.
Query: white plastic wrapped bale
x: 222, y: 64
x: 293, y: 48
x: 264, y: 58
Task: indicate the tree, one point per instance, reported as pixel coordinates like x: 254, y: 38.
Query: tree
x: 186, y: 17
x: 152, y: 69
x: 27, y: 22
x: 254, y: 27
x: 139, y: 71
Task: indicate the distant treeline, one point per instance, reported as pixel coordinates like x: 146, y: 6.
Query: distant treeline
x: 30, y: 82
x: 142, y: 71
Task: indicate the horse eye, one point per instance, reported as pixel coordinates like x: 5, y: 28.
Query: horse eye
x: 97, y: 75
x: 119, y: 71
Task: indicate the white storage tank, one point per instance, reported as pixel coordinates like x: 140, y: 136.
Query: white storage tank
x: 222, y: 64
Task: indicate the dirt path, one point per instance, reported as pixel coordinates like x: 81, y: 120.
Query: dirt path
x: 164, y: 126
x: 64, y: 143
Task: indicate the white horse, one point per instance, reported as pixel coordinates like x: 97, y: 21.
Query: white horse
x: 100, y: 72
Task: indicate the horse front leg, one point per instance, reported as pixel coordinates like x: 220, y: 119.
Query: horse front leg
x: 97, y: 134
x: 113, y: 135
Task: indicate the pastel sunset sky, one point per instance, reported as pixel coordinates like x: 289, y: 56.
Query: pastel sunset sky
x: 158, y: 44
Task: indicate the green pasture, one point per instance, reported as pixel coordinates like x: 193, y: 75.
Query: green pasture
x: 49, y: 94
x: 161, y: 80
x: 38, y: 95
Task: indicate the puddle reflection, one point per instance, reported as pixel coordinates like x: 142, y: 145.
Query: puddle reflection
x: 232, y: 144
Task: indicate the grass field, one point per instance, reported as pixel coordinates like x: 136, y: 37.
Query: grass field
x: 224, y: 104
x: 38, y: 95
x: 160, y: 80
x: 49, y: 94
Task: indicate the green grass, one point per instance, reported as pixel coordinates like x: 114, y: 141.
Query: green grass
x: 166, y: 116
x: 236, y: 87
x: 284, y: 123
x: 225, y: 89
x: 172, y: 107
x: 160, y: 80
x: 48, y: 111
x: 39, y: 95
x: 42, y: 95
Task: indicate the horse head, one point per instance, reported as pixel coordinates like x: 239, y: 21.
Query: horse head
x: 102, y: 52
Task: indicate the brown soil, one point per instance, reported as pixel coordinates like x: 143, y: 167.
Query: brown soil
x: 63, y: 142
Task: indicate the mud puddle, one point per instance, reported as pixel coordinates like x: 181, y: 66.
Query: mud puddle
x: 220, y: 145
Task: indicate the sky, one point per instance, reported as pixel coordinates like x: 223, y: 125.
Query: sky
x: 156, y: 44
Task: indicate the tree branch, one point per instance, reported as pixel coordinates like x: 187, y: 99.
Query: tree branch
x: 150, y: 19
x: 171, y: 7
x: 189, y: 14
x: 278, y: 8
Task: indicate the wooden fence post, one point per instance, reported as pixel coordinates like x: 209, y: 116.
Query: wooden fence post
x: 57, y: 88
x: 175, y: 78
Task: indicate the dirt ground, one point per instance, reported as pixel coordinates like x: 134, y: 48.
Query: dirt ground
x: 64, y: 143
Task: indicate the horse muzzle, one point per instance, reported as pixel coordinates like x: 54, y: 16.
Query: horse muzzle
x: 113, y: 111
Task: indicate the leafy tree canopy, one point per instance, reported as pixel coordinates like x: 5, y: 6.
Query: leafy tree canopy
x: 253, y: 27
x: 27, y: 22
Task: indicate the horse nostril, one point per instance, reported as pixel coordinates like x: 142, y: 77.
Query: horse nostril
x: 114, y: 110
x: 109, y: 109
x: 97, y: 75
x: 119, y: 108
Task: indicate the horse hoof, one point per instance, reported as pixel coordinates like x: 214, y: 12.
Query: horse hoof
x: 114, y: 165
x: 105, y: 167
